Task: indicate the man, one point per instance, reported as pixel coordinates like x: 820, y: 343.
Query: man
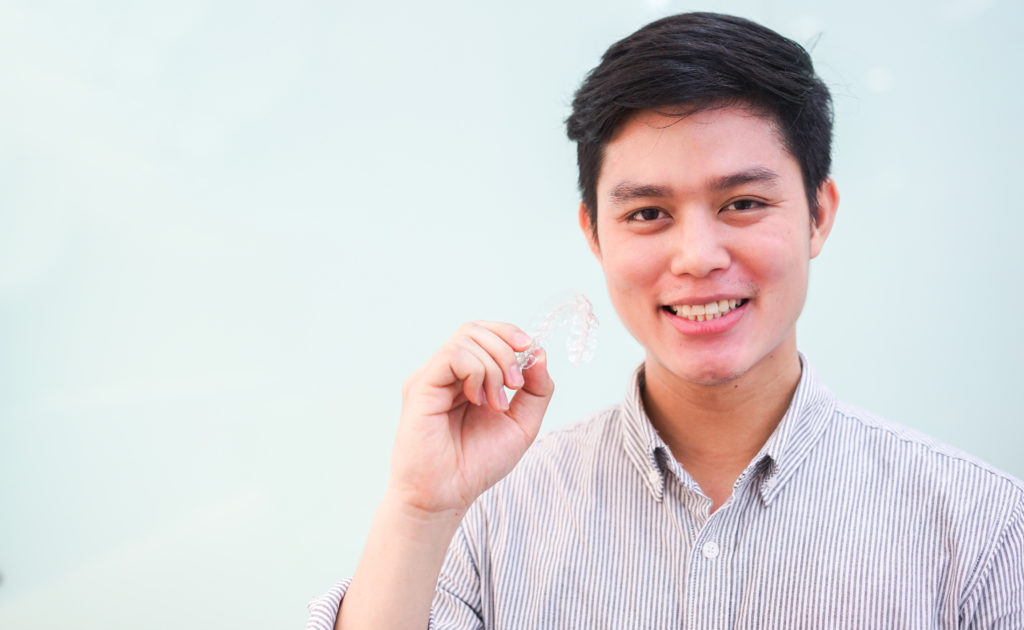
x: 730, y: 488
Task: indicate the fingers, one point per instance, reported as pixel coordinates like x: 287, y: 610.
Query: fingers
x: 480, y: 360
x: 468, y: 364
x: 496, y: 345
x: 483, y: 377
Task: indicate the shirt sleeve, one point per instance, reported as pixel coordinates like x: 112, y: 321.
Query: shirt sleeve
x: 456, y: 604
x: 997, y: 601
x: 323, y: 610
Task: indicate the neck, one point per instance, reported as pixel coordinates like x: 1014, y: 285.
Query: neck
x: 716, y: 430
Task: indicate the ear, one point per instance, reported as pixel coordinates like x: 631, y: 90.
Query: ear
x: 589, y: 231
x: 828, y: 204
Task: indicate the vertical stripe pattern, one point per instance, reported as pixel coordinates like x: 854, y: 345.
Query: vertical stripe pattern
x: 843, y: 520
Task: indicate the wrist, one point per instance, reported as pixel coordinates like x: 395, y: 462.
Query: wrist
x: 416, y: 524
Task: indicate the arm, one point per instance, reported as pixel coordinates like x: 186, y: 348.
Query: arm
x: 457, y: 437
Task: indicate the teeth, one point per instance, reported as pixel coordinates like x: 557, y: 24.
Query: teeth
x: 705, y: 312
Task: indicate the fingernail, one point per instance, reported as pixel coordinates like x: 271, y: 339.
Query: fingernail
x: 503, y: 399
x: 521, y: 339
x: 482, y: 397
x: 515, y: 377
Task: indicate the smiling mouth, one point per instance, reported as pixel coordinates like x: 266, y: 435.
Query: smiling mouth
x: 704, y: 312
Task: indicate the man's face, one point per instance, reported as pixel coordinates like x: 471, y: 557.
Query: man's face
x: 703, y: 213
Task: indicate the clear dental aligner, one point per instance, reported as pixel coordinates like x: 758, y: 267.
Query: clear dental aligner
x: 576, y: 312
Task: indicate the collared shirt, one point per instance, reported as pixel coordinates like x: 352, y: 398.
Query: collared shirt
x: 842, y: 520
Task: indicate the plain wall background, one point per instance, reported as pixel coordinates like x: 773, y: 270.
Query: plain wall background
x: 229, y: 230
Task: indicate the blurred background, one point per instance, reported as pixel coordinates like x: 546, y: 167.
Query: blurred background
x: 229, y: 230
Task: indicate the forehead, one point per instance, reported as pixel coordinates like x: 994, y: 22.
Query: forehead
x: 684, y: 148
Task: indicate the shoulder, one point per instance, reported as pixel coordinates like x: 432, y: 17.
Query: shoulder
x: 599, y: 430
x: 562, y: 462
x: 554, y: 478
x: 570, y: 453
x: 914, y: 451
x: 918, y: 474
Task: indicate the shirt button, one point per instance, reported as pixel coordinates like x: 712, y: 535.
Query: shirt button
x: 710, y: 550
x: 654, y: 477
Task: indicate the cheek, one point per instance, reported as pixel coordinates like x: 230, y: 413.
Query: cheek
x: 631, y: 275
x: 781, y: 271
x: 779, y: 257
x: 631, y: 269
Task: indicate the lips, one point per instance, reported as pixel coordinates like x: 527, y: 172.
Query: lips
x: 706, y: 311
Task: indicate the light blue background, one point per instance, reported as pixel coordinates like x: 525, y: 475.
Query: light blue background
x: 229, y: 230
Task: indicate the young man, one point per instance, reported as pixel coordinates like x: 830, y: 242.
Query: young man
x: 730, y: 488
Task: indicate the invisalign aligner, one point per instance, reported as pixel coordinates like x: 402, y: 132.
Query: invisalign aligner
x: 576, y: 312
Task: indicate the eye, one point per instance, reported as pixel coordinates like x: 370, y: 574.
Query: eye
x: 744, y: 204
x: 644, y: 215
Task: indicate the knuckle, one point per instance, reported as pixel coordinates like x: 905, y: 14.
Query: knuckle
x: 497, y: 374
x: 464, y: 330
x: 452, y: 349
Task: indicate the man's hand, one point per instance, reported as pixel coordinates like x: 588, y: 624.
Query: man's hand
x: 459, y: 434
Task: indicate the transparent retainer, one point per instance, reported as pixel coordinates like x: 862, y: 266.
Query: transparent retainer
x: 577, y: 313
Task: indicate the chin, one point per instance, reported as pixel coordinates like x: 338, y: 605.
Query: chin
x: 705, y: 374
x: 713, y: 378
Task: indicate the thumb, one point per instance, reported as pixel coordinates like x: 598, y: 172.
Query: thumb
x: 528, y: 405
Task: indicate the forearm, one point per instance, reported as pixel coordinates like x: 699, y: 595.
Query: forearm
x: 397, y: 575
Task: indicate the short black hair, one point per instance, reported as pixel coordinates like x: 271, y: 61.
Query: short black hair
x: 700, y: 61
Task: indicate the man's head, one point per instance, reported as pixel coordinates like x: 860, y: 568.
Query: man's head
x: 704, y: 145
x: 697, y: 61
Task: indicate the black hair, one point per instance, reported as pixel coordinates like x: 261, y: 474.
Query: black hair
x: 699, y: 61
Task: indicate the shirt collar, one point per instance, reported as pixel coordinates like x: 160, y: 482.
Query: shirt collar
x: 787, y: 447
x: 643, y: 446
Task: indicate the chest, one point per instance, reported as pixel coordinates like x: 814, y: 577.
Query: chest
x: 840, y: 563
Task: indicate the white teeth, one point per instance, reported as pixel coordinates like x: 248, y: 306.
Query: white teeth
x: 705, y: 312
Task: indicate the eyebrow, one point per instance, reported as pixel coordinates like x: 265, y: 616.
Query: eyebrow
x: 758, y: 174
x: 627, y: 191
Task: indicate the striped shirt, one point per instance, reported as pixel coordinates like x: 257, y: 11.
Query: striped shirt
x: 842, y: 520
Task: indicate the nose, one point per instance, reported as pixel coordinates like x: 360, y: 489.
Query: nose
x: 699, y: 247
